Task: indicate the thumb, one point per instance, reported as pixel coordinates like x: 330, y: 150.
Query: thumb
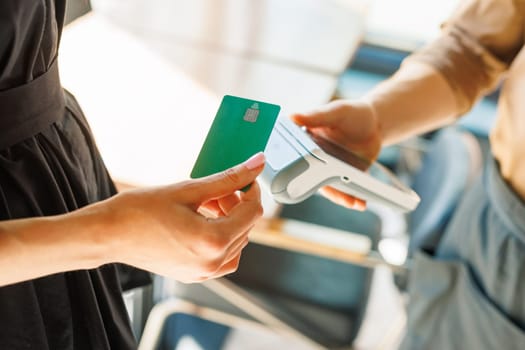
x: 226, y: 182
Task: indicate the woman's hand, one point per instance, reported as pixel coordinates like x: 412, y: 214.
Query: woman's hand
x: 161, y: 230
x: 165, y: 230
x: 352, y: 125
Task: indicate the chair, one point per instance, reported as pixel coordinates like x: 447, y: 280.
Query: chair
x: 295, y: 288
x: 318, y: 296
x: 289, y: 284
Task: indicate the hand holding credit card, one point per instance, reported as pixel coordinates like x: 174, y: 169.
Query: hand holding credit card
x: 240, y: 129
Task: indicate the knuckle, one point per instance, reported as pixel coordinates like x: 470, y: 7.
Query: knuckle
x: 187, y: 185
x: 231, y: 176
x: 234, y: 266
x: 210, y: 267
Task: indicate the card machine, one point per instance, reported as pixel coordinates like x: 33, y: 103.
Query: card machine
x: 296, y: 167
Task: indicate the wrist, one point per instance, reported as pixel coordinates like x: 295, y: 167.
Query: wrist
x: 375, y: 122
x: 95, y: 228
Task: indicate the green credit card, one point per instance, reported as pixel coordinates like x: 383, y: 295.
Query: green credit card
x: 240, y: 129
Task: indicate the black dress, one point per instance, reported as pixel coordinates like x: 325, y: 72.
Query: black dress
x: 49, y: 165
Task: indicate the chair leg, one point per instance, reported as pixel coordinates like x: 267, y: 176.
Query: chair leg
x: 161, y: 311
x: 235, y: 295
x: 206, y: 335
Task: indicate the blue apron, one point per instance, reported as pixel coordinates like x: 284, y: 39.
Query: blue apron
x: 471, y: 293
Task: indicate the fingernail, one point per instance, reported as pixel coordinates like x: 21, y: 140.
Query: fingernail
x: 255, y: 161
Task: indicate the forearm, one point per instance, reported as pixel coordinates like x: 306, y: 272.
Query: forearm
x: 35, y: 247
x: 415, y: 100
x: 157, y: 229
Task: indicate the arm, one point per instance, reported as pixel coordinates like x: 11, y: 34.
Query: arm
x: 433, y: 86
x: 477, y: 45
x: 157, y: 229
x: 415, y: 100
x: 444, y: 79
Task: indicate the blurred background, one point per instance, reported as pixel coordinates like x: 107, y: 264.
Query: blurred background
x: 150, y: 75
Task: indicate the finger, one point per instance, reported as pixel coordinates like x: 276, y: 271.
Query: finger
x: 221, y: 231
x: 325, y: 116
x: 219, y: 207
x: 253, y: 194
x: 235, y: 248
x: 343, y: 199
x: 242, y: 217
x: 333, y: 119
x: 326, y: 122
x: 211, y: 209
x: 229, y: 267
x: 227, y: 203
x: 334, y: 135
x: 224, y: 183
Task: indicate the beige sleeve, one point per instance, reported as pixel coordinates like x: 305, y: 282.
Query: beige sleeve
x: 477, y: 45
